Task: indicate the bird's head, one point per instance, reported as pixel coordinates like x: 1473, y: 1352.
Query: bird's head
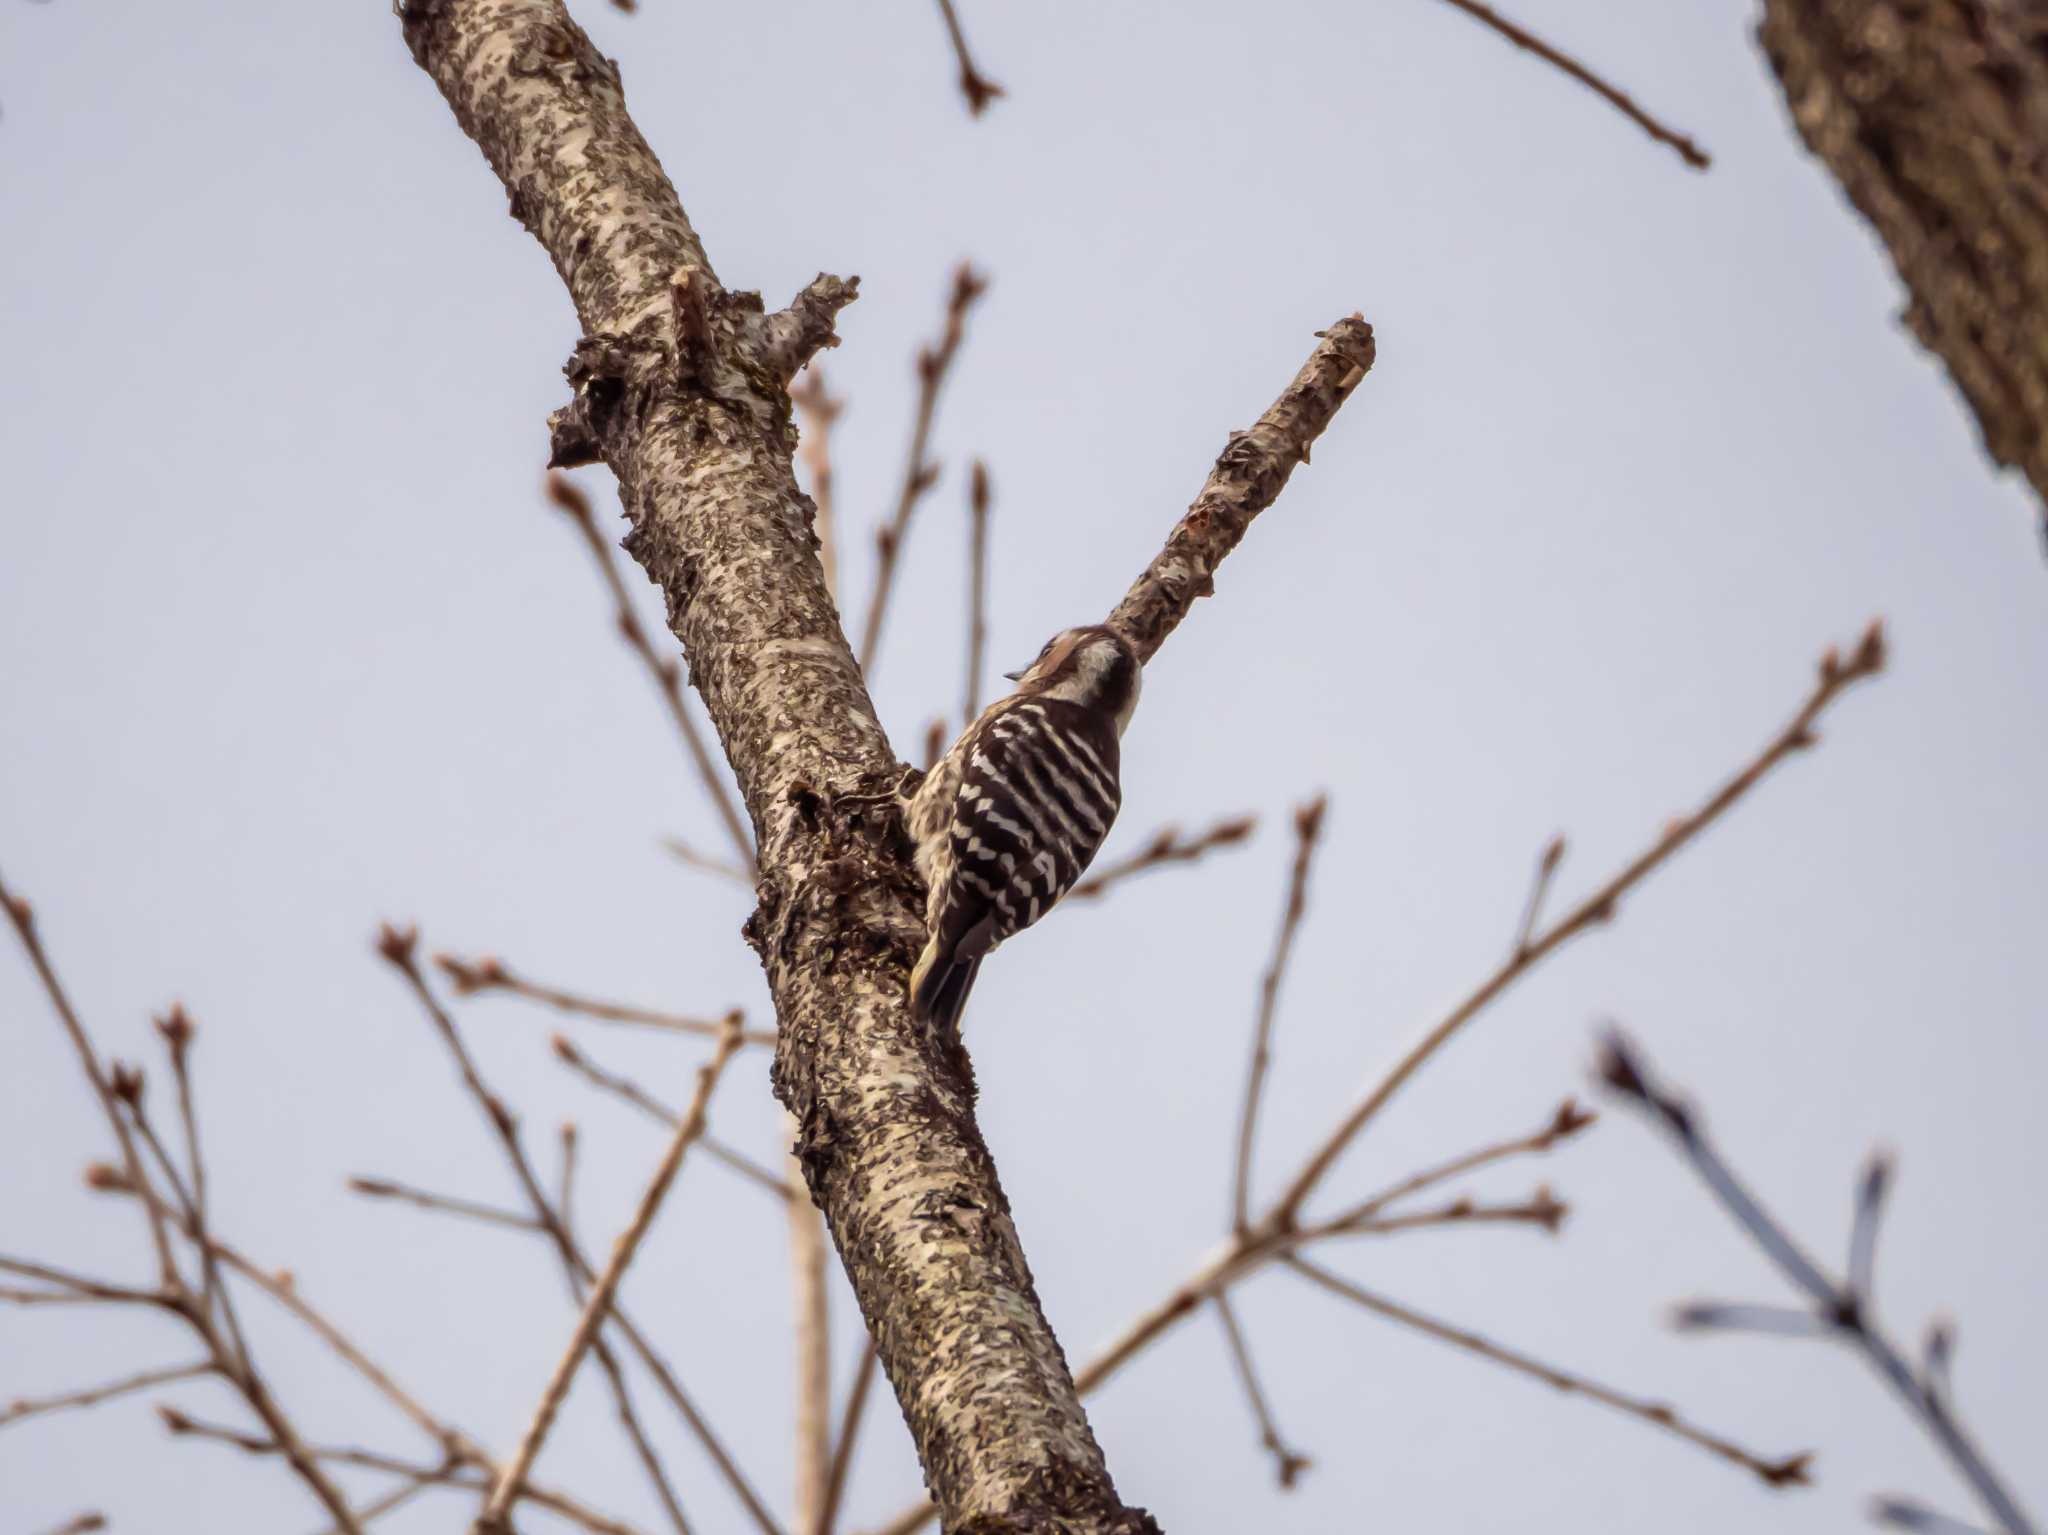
x: 1092, y: 666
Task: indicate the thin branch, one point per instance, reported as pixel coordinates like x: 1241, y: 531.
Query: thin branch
x: 850, y: 1419
x: 1166, y: 846
x: 1835, y: 677
x: 682, y: 852
x: 974, y: 85
x: 565, y: 1193
x: 977, y: 589
x: 183, y: 1425
x: 471, y: 977
x: 1870, y: 1194
x: 1906, y: 1514
x: 666, y: 670
x: 818, y: 409
x: 399, y: 947
x: 446, y: 1204
x: 1791, y: 1471
x: 1288, y: 1464
x: 632, y: 1092
x: 811, y: 1348
x: 1539, y: 887
x: 919, y: 473
x: 80, y: 1286
x: 599, y: 1303
x: 1542, y: 1208
x: 22, y: 915
x: 82, y: 1524
x: 1845, y: 1306
x: 1688, y: 151
x: 1308, y: 826
x: 1722, y: 1316
x: 92, y: 1396
x: 1569, y: 1120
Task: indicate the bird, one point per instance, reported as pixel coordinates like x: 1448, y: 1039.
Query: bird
x: 1006, y: 821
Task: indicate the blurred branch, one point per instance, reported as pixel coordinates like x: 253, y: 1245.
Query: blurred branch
x: 811, y: 1324
x: 1845, y: 1307
x: 497, y: 1510
x: 1288, y: 1464
x: 850, y: 1420
x: 1308, y: 826
x: 818, y: 410
x: 1789, y: 1472
x: 666, y: 670
x: 1835, y: 677
x: 974, y: 85
x: 446, y: 1474
x: 919, y: 473
x: 1688, y: 151
x: 632, y: 1092
x: 446, y: 1204
x: 82, y: 1524
x: 92, y: 1396
x: 470, y: 977
x: 977, y: 590
x: 399, y: 948
x: 1167, y: 846
x: 120, y: 1090
x: 682, y: 852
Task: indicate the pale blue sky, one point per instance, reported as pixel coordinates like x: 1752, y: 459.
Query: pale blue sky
x: 289, y: 644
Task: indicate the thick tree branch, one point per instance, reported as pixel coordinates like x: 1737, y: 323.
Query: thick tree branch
x: 1933, y: 119
x: 674, y: 390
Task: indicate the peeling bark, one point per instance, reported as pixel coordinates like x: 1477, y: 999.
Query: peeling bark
x: 1933, y: 117
x: 680, y: 387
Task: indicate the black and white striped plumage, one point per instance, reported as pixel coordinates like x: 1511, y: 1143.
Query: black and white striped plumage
x: 1007, y: 820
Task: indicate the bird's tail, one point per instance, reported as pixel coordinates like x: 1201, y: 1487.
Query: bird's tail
x: 938, y: 989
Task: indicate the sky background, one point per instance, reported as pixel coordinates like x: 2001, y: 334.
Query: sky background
x: 290, y: 644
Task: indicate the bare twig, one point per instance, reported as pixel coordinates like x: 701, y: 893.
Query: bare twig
x: 1308, y: 826
x: 471, y: 977
x: 974, y: 85
x: 682, y: 852
x: 819, y: 409
x: 92, y: 1396
x: 1166, y: 846
x: 82, y: 1524
x: 1288, y: 1464
x: 22, y: 915
x: 632, y: 1092
x: 1688, y: 151
x: 1791, y: 1471
x: 1542, y: 1208
x: 120, y: 1091
x: 1568, y: 1121
x: 1836, y: 676
x: 919, y: 473
x: 1846, y: 1306
x: 599, y: 1303
x: 1905, y: 1514
x: 565, y: 1194
x: 446, y: 1204
x: 1539, y: 887
x: 399, y: 948
x: 447, y: 1474
x: 977, y: 589
x: 666, y: 670
x: 849, y: 1434
x: 811, y: 1323
x: 934, y: 740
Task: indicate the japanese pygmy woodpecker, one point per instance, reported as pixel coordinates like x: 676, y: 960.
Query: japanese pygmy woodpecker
x: 1005, y: 822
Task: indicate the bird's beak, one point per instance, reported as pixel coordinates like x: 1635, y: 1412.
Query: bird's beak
x: 1013, y: 676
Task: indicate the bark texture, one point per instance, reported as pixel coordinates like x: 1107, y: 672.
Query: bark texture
x: 681, y: 388
x: 1933, y: 116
